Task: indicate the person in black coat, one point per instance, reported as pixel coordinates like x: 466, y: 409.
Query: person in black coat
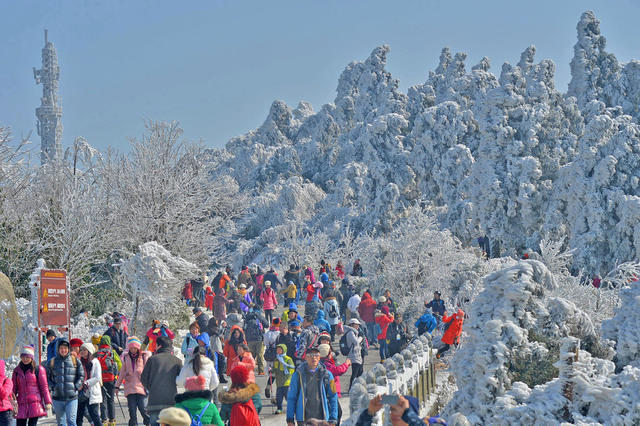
x: 118, y: 335
x: 201, y: 318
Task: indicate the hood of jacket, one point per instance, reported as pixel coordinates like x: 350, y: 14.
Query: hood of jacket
x: 181, y: 397
x: 283, y: 347
x: 366, y: 296
x: 105, y: 340
x: 204, y: 337
x: 239, y: 395
x: 324, y: 277
x: 320, y: 315
x: 61, y: 340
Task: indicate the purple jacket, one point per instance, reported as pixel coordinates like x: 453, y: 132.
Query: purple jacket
x: 6, y: 387
x: 31, y: 392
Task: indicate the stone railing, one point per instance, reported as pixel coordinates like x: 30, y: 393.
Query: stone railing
x: 411, y: 372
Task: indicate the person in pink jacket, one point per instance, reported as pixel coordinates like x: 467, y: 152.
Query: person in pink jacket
x: 245, y: 359
x: 29, y: 382
x: 6, y: 388
x: 269, y: 301
x: 133, y: 362
x: 327, y: 359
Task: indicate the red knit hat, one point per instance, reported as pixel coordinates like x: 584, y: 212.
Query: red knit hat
x: 195, y: 383
x: 75, y: 343
x: 239, y: 375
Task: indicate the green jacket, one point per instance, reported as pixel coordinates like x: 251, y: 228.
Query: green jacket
x: 195, y: 401
x: 283, y: 371
x: 252, y: 391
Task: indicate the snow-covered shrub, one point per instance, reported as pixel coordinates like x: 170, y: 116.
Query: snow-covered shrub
x: 624, y: 328
x: 152, y: 279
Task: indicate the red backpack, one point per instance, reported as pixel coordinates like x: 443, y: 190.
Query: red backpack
x: 109, y: 367
x: 244, y: 414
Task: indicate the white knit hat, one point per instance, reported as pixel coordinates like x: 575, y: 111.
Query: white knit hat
x: 89, y: 347
x: 324, y: 350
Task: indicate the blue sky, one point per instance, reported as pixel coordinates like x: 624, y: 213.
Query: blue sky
x: 216, y: 66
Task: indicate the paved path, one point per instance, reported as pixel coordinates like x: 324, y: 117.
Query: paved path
x: 267, y: 416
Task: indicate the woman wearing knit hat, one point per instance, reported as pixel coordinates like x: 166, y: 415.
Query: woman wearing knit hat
x: 200, y: 365
x: 241, y: 404
x: 90, y: 396
x: 133, y: 362
x: 196, y: 400
x: 30, y: 388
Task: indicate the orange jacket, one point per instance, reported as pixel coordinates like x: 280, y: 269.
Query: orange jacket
x: 455, y: 329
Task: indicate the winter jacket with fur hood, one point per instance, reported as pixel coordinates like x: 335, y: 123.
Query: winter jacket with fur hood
x: 234, y: 396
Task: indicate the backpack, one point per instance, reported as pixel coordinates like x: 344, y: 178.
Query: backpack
x: 333, y: 312
x: 422, y: 327
x: 197, y: 420
x: 344, y: 346
x: 244, y: 414
x: 365, y: 344
x: 109, y: 367
x: 377, y: 329
x: 313, y: 342
x: 270, y: 353
x: 253, y: 329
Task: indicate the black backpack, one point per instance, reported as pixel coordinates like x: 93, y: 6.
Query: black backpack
x: 344, y: 346
x: 270, y: 353
x: 253, y: 329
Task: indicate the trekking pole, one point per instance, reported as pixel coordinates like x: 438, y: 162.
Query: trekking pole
x: 120, y: 404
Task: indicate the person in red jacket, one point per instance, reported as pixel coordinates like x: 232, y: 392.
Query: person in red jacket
x: 367, y: 311
x: 454, y: 330
x: 187, y: 292
x: 208, y: 298
x: 383, y: 320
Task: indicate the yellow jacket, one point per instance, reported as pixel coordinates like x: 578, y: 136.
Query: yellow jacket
x: 291, y: 291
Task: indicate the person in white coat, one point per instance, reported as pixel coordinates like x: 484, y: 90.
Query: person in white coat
x: 90, y: 396
x: 200, y: 365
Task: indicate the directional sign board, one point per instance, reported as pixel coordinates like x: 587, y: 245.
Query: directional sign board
x: 54, y: 298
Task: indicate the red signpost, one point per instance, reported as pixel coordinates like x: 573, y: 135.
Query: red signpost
x: 53, y: 302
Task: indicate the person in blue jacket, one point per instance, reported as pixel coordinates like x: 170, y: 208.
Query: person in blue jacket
x: 52, y: 347
x: 426, y: 323
x: 321, y: 322
x: 312, y: 392
x: 437, y: 304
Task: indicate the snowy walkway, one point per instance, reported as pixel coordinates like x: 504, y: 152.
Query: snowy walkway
x: 267, y: 416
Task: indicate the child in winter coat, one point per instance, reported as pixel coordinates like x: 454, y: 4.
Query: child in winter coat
x: 90, y: 397
x: 241, y: 404
x: 133, y: 363
x: 196, y: 400
x: 30, y: 388
x: 244, y: 358
x: 327, y: 359
x: 283, y: 368
x: 208, y: 298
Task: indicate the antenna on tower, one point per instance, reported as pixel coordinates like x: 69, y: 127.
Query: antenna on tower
x: 45, y: 36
